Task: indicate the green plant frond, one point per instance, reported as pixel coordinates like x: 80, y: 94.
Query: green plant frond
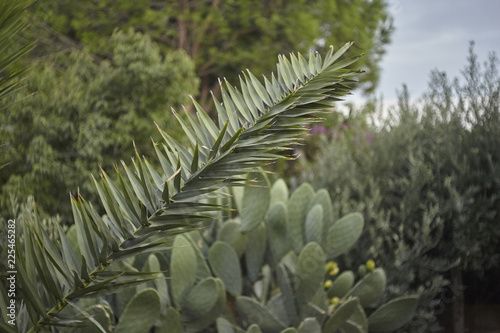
x: 13, y: 20
x: 256, y: 125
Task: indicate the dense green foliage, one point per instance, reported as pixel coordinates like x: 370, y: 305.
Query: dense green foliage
x: 149, y: 203
x: 75, y: 114
x: 427, y: 183
x: 223, y: 37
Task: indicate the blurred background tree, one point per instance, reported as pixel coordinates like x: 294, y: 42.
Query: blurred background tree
x: 76, y: 114
x: 223, y: 37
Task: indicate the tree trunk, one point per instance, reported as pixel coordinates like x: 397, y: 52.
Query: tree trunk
x: 183, y: 33
x: 459, y: 303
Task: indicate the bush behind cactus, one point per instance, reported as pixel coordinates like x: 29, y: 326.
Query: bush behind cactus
x: 427, y: 183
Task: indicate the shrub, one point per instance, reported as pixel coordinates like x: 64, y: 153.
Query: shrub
x: 427, y: 183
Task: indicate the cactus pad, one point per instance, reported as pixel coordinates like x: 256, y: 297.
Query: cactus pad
x: 253, y: 312
x: 277, y: 223
x: 341, y: 285
x: 279, y: 192
x: 393, y: 314
x: 183, y: 267
x: 297, y: 210
x: 314, y: 225
x: 254, y: 255
x: 310, y: 270
x: 141, y: 313
x: 343, y: 234
x: 255, y: 202
x: 226, y: 266
x: 370, y: 288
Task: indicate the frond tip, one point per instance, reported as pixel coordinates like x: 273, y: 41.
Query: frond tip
x: 257, y: 122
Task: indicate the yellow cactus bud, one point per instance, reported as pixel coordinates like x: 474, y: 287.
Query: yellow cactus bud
x: 328, y: 284
x: 334, y: 301
x: 334, y: 271
x: 370, y: 265
x: 329, y: 266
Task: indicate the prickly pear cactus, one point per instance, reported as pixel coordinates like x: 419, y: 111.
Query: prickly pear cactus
x: 267, y: 266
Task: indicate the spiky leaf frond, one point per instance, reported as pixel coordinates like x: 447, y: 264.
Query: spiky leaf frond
x: 256, y: 125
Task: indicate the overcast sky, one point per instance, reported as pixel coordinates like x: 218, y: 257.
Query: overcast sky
x: 434, y: 34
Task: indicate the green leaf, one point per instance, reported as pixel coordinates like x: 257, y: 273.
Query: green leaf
x: 171, y: 323
x: 351, y: 327
x: 393, y: 314
x: 309, y: 325
x: 342, y: 284
x: 359, y: 318
x: 314, y: 225
x: 297, y: 210
x: 194, y: 164
x: 199, y: 247
x: 370, y: 288
x: 255, y: 202
x: 224, y: 326
x: 296, y: 68
x: 323, y: 198
x: 340, y: 315
x: 165, y: 194
x: 343, y: 234
x: 215, y: 148
x: 279, y: 192
x: 289, y: 330
x: 259, y: 89
x: 277, y: 222
x: 287, y: 286
x: 205, y: 120
x: 178, y: 175
x: 96, y: 314
x: 199, y: 129
x: 122, y: 202
x: 141, y: 313
x: 330, y: 58
x: 200, y: 300
x: 153, y: 265
x: 254, y: 329
x: 230, y: 232
x: 310, y: 271
x: 85, y: 241
x: 190, y: 133
x: 231, y: 110
x: 202, y: 322
x: 250, y: 104
x: 30, y: 292
x: 226, y: 266
x: 182, y: 269
x: 254, y: 313
x: 254, y: 254
x: 239, y: 102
